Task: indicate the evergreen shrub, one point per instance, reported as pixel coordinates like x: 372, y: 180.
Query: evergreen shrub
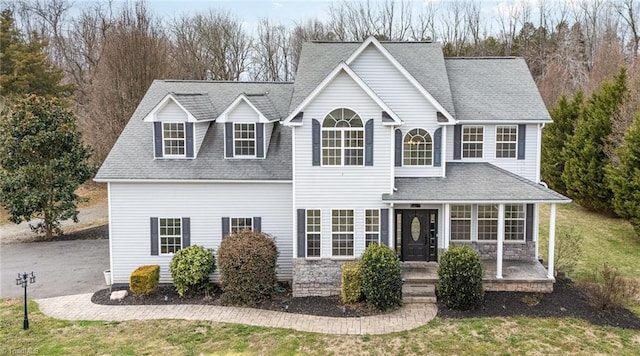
x: 190, y: 269
x: 381, y: 277
x: 460, y: 278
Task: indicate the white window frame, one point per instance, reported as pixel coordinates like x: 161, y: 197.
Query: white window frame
x: 235, y: 226
x: 371, y: 228
x: 183, y: 139
x: 475, y: 142
x: 350, y: 232
x: 478, y: 219
x: 307, y: 232
x: 513, y: 154
x: 428, y: 158
x: 254, y: 140
x: 169, y: 236
x: 341, y: 131
x: 469, y: 219
x: 513, y: 222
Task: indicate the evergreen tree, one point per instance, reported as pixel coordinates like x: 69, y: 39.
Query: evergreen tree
x: 42, y: 162
x: 24, y: 67
x: 584, y: 172
x: 565, y: 115
x: 624, y: 180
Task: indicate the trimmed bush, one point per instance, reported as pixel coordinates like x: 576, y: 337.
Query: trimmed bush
x: 350, y: 287
x: 460, y: 278
x: 381, y: 277
x: 190, y: 269
x: 144, y: 279
x: 247, y: 262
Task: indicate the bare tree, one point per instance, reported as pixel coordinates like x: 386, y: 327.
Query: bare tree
x: 628, y: 10
x: 423, y: 28
x: 311, y: 30
x: 271, y: 60
x: 454, y: 31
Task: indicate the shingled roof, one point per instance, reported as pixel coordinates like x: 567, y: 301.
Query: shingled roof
x: 198, y: 104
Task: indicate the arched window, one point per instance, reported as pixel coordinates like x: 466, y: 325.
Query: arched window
x: 418, y: 148
x: 342, y: 139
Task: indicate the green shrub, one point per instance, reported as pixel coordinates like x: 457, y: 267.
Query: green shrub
x: 350, y: 287
x: 460, y: 278
x: 608, y: 289
x: 190, y: 269
x: 247, y: 262
x: 144, y: 279
x: 381, y: 277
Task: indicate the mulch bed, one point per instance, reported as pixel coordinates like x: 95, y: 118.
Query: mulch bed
x: 567, y: 300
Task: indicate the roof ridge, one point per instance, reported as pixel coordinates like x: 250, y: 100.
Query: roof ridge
x: 485, y: 57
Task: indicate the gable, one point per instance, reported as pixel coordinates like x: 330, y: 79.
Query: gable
x: 242, y: 112
x: 342, y: 91
x: 171, y: 112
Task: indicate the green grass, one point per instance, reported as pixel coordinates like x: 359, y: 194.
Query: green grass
x: 177, y: 337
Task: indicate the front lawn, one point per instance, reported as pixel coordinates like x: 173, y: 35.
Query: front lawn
x: 514, y: 335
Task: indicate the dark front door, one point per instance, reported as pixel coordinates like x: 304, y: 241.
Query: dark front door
x: 419, y: 235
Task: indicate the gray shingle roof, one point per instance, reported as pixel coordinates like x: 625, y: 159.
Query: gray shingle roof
x: 472, y: 182
x: 494, y: 89
x: 132, y: 155
x: 265, y: 106
x: 198, y: 104
x: 424, y: 61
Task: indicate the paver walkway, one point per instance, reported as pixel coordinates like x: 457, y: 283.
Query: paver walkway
x: 80, y: 307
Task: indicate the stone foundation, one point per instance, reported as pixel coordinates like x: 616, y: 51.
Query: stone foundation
x: 316, y: 277
x: 519, y: 286
x: 510, y: 251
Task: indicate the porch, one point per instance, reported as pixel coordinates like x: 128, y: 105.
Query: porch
x: 517, y: 275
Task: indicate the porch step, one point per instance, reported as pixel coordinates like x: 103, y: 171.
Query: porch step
x: 423, y: 293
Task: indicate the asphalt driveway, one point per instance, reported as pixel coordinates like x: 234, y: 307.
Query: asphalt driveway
x: 61, y: 267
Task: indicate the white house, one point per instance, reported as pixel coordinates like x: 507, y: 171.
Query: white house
x: 374, y: 142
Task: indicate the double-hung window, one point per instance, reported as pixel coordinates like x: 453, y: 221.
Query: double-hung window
x: 461, y: 222
x: 170, y: 235
x: 514, y: 222
x: 244, y: 139
x: 173, y: 138
x: 313, y: 233
x: 487, y: 222
x: 418, y: 148
x: 238, y: 224
x: 506, y: 141
x: 342, y: 139
x: 371, y: 226
x: 342, y: 232
x: 472, y: 141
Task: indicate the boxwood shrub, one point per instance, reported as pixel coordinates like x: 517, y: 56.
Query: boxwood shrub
x: 247, y: 262
x: 144, y: 279
x: 350, y: 286
x: 460, y: 278
x: 381, y: 277
x: 190, y: 269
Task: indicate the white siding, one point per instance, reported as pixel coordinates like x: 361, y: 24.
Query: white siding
x: 171, y: 112
x: 342, y: 187
x: 200, y: 131
x: 268, y: 131
x: 526, y: 168
x: 402, y: 97
x: 132, y: 206
x: 243, y: 113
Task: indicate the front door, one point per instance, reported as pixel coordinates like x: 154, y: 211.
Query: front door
x: 419, y: 235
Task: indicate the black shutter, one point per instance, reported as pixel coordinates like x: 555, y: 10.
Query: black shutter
x: 157, y: 138
x: 259, y: 140
x: 522, y: 134
x: 186, y: 232
x: 384, y: 227
x: 154, y: 237
x: 301, y: 232
x: 189, y: 140
x: 437, y: 147
x: 368, y: 143
x: 398, y: 148
x: 457, y: 141
x: 225, y: 227
x: 529, y: 223
x: 228, y: 139
x: 257, y: 224
x: 315, y: 142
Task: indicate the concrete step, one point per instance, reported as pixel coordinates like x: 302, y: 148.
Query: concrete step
x: 409, y: 300
x: 418, y: 290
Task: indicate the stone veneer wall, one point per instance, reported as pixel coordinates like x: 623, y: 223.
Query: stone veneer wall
x: 510, y: 251
x: 519, y: 286
x: 316, y: 277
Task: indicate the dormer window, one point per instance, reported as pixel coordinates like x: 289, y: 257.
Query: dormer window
x: 342, y: 139
x: 173, y: 138
x: 244, y: 139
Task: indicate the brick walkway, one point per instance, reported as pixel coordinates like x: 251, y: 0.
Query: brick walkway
x: 80, y: 307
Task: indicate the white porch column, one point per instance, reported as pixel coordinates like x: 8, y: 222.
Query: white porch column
x: 536, y: 227
x: 500, y: 241
x: 447, y: 226
x: 552, y: 241
x: 392, y: 227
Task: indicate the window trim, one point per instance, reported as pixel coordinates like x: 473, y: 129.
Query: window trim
x: 462, y: 142
x: 255, y: 140
x: 470, y: 219
x: 160, y: 253
x: 431, y: 157
x: 352, y: 233
x: 342, y: 147
x: 183, y: 139
x: 306, y: 234
x: 496, y: 219
x: 524, y: 223
x: 515, y: 142
x: 231, y: 229
x: 379, y: 225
